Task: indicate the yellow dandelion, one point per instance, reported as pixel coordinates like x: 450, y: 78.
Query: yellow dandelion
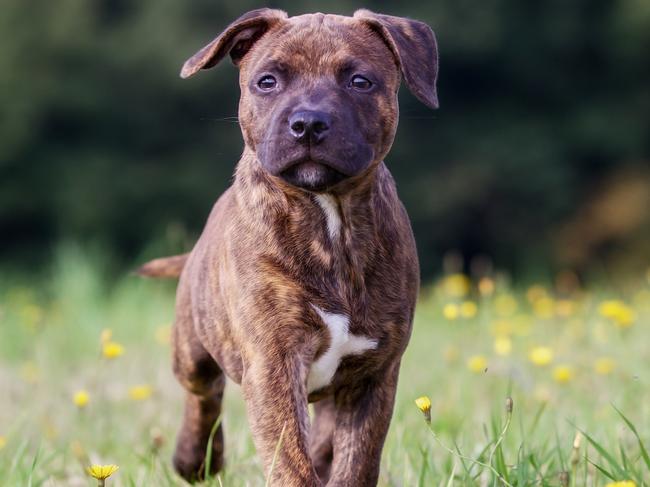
x: 140, y: 392
x: 618, y: 312
x: 610, y: 308
x: 625, y: 318
x: 163, y: 334
x: 486, y: 286
x: 505, y: 305
x: 468, y: 309
x: 563, y: 374
x: 456, y: 285
x: 451, y: 311
x: 102, y: 472
x: 106, y: 335
x: 477, y: 363
x: 112, y: 350
x: 3, y: 442
x: 541, y: 356
x: 604, y: 365
x: 621, y: 483
x: 502, y: 346
x: 424, y: 404
x: 544, y: 308
x: 81, y: 399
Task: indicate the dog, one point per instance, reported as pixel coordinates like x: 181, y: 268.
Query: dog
x: 302, y: 286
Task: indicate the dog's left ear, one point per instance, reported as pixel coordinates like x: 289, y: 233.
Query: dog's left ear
x: 236, y: 40
x: 414, y: 45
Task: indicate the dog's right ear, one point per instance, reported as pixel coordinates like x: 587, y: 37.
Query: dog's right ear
x: 236, y: 40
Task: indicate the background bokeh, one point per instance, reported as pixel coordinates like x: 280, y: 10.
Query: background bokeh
x: 538, y: 157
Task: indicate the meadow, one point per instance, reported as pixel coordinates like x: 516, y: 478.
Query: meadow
x: 85, y: 378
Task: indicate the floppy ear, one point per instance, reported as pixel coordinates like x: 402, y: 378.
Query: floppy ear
x: 236, y: 40
x: 414, y: 45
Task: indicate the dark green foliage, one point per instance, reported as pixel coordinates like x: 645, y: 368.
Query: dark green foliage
x: 100, y: 139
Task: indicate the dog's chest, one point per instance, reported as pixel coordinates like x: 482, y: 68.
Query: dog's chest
x: 341, y: 343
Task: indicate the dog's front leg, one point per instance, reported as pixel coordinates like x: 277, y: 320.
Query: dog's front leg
x: 362, y: 419
x: 276, y: 399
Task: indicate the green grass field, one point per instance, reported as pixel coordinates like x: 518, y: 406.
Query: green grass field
x: 568, y: 359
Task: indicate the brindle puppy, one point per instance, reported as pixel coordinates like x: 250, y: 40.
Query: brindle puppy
x: 302, y: 286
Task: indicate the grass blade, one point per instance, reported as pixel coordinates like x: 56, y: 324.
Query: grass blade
x: 208, y: 448
x: 275, y: 456
x: 450, y: 482
x: 618, y: 470
x: 425, y: 467
x: 33, y: 467
x: 644, y: 451
x: 602, y: 470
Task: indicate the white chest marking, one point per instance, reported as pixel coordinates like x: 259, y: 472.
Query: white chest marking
x: 342, y: 343
x: 332, y: 215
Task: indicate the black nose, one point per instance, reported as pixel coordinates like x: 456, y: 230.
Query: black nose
x: 309, y: 125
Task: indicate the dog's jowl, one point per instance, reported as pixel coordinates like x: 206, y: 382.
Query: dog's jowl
x: 302, y: 286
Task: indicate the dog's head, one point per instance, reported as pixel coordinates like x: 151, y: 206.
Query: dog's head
x: 319, y: 92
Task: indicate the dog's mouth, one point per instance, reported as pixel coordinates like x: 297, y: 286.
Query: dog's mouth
x: 312, y: 175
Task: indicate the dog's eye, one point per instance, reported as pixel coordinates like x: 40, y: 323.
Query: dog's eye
x: 360, y: 83
x: 267, y: 83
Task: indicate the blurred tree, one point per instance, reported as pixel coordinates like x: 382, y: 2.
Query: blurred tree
x: 100, y: 139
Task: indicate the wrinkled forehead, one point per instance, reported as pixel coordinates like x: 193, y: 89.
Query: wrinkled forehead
x: 321, y: 44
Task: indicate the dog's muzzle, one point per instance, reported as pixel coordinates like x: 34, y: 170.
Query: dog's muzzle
x: 309, y: 129
x: 313, y: 150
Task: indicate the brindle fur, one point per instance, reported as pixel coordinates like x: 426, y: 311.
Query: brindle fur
x: 247, y: 291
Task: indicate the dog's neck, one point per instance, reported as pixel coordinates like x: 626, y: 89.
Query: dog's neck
x: 341, y: 206
x: 341, y: 230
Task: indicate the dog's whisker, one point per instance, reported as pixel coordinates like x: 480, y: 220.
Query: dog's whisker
x: 422, y: 117
x: 221, y: 119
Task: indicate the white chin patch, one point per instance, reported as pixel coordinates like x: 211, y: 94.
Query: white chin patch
x: 342, y: 343
x: 311, y: 173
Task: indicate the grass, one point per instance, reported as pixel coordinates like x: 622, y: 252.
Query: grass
x: 468, y: 358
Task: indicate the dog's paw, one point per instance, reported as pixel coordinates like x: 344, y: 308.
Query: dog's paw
x: 190, y: 460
